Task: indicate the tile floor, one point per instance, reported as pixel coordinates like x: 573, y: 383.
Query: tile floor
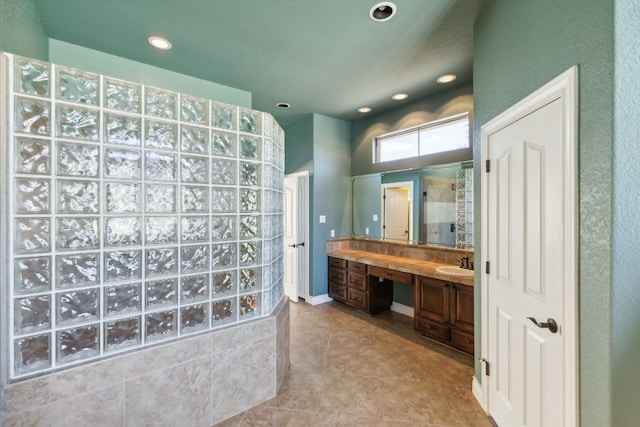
x: 352, y: 369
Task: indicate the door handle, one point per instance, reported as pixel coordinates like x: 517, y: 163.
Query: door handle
x: 295, y: 245
x: 549, y: 324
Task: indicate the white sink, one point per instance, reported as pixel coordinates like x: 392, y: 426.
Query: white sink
x: 455, y: 271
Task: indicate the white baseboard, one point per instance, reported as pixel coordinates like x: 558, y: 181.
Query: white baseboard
x: 319, y: 299
x: 402, y: 309
x: 476, y: 389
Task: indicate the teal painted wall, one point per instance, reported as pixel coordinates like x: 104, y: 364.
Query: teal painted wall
x: 21, y: 31
x: 443, y: 104
x: 519, y: 46
x: 298, y: 147
x: 625, y: 310
x: 365, y: 190
x: 99, y: 62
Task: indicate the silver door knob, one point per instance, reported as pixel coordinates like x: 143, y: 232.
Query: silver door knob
x: 549, y: 324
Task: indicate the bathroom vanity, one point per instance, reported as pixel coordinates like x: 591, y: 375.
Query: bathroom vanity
x: 362, y: 272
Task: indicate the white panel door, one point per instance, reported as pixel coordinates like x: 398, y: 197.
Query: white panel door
x: 294, y: 232
x: 526, y: 249
x: 396, y: 213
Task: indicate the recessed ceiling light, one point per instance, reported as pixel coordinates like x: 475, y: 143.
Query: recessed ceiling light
x: 382, y: 11
x: 400, y: 96
x: 364, y: 110
x: 159, y: 43
x: 447, y: 78
x: 283, y: 105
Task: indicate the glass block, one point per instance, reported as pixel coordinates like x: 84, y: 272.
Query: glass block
x: 78, y: 343
x: 32, y: 196
x: 160, y: 103
x: 251, y: 121
x: 249, y: 253
x: 223, y: 283
x: 32, y: 235
x: 223, y: 199
x: 77, y: 270
x: 267, y: 302
x: 194, y: 258
x: 224, y: 311
x: 249, y: 174
x: 122, y: 96
x: 161, y: 230
x: 223, y: 227
x: 194, y: 318
x: 77, y: 233
x: 122, y: 129
x: 78, y: 123
x: 32, y: 314
x: 122, y: 265
x: 33, y: 353
x: 161, y: 292
x: 161, y: 198
x: 249, y: 227
x: 223, y: 116
x: 78, y: 159
x: 267, y: 125
x: 161, y: 135
x: 194, y: 139
x: 250, y: 147
x: 249, y: 306
x: 78, y: 196
x: 78, y: 306
x: 193, y: 110
x: 32, y: 274
x: 122, y: 333
x: 194, y: 169
x: 78, y: 86
x: 32, y: 77
x: 250, y: 279
x: 32, y: 116
x: 223, y: 255
x: 160, y: 166
x: 162, y: 262
x: 223, y: 143
x: 122, y: 299
x: 194, y: 228
x: 33, y: 156
x: 249, y: 200
x: 195, y: 199
x: 194, y: 288
x: 161, y: 325
x: 124, y: 164
x: 123, y: 197
x: 223, y: 171
x: 122, y: 231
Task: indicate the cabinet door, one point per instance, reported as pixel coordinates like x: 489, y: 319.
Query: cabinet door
x: 462, y: 308
x: 433, y: 299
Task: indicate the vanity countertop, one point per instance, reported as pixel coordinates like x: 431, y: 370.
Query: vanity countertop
x: 399, y: 263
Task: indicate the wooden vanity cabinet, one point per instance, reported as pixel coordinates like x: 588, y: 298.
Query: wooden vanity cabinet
x: 444, y: 312
x: 351, y: 284
x: 338, y: 279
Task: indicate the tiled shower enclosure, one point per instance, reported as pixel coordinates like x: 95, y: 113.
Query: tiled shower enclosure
x: 131, y: 215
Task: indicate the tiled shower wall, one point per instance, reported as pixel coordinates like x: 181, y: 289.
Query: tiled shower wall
x: 136, y: 216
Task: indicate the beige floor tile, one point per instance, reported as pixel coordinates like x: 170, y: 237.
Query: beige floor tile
x: 299, y: 390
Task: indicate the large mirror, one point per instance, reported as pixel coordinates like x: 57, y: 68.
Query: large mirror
x: 429, y: 206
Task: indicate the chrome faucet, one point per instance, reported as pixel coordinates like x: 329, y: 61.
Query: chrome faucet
x: 464, y: 262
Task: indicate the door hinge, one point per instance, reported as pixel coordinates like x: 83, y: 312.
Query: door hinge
x: 487, y: 367
x: 487, y: 164
x: 487, y: 268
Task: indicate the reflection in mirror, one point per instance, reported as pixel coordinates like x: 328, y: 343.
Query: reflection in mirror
x: 397, y: 211
x: 444, y: 216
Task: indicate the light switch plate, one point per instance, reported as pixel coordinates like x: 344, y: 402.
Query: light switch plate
x: 375, y: 217
x: 366, y: 230
x: 333, y: 233
x: 323, y: 219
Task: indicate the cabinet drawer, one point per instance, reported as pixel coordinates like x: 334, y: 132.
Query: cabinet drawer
x: 357, y: 281
x: 385, y: 273
x: 338, y: 276
x: 337, y: 262
x: 432, y: 329
x: 338, y: 292
x: 462, y: 341
x: 357, y: 267
x: 357, y: 299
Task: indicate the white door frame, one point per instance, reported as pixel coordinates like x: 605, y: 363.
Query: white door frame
x: 408, y: 184
x: 303, y: 289
x: 564, y: 86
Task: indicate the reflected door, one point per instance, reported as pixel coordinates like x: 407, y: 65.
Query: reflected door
x: 396, y: 213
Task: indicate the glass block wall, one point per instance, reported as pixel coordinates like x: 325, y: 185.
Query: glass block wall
x: 464, y: 208
x: 135, y: 215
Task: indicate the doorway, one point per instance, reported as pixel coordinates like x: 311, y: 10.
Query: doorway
x: 296, y: 235
x: 397, y: 211
x: 529, y: 287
